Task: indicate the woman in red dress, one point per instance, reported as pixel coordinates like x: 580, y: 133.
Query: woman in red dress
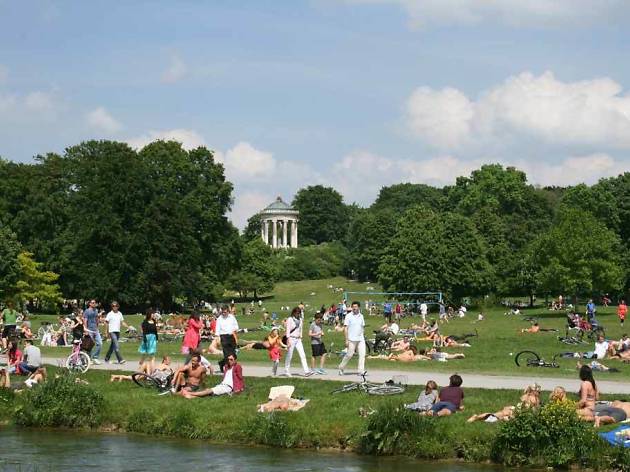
x: 193, y: 334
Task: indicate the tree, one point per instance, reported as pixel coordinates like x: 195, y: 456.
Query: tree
x: 367, y: 239
x: 400, y: 197
x: 323, y: 215
x: 578, y: 255
x: 252, y: 230
x: 258, y: 271
x: 34, y: 284
x: 9, y: 266
x: 431, y: 251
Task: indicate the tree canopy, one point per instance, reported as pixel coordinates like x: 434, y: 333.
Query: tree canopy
x: 323, y: 215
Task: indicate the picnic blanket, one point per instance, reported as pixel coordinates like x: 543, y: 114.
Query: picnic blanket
x: 280, y: 400
x: 617, y: 440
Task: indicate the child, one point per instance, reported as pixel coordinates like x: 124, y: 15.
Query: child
x: 426, y: 399
x: 450, y: 399
x: 275, y: 343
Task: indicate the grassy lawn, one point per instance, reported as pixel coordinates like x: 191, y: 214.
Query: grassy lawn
x: 492, y: 352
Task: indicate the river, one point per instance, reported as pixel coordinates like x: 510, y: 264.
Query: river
x: 31, y: 451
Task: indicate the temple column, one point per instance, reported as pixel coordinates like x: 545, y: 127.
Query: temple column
x: 262, y: 231
x: 274, y: 244
x: 294, y: 233
x: 284, y: 233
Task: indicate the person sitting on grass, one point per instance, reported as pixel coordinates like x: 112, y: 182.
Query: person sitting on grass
x: 214, y: 348
x: 232, y: 381
x: 426, y: 399
x: 37, y: 377
x: 558, y: 395
x: 401, y: 345
x: 14, y: 357
x: 589, y: 394
x: 189, y: 377
x: 529, y: 399
x: 450, y: 399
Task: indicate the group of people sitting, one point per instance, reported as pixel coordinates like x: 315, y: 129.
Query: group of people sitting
x: 589, y: 407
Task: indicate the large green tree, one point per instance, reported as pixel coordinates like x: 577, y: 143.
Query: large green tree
x: 432, y: 251
x: 10, y: 248
x: 367, y: 239
x: 258, y: 271
x: 400, y: 197
x: 323, y: 215
x: 578, y: 255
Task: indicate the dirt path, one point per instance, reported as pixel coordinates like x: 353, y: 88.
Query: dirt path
x: 418, y: 377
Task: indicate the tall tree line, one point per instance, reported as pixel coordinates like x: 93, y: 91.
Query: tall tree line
x: 139, y: 226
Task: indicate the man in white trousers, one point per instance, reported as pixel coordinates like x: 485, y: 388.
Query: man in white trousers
x: 294, y: 342
x: 353, y: 331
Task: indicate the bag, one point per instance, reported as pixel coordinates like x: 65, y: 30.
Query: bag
x: 87, y: 343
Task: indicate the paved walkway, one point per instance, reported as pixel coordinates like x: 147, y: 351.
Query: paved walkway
x: 416, y: 377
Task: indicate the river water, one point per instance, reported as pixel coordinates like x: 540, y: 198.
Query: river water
x: 30, y: 451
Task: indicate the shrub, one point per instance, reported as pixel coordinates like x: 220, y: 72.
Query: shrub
x: 272, y: 430
x: 551, y: 436
x: 60, y: 402
x: 396, y: 430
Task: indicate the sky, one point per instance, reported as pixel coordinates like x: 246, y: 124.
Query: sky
x: 352, y: 94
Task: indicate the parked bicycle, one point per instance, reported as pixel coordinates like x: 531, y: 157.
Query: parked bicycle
x: 391, y: 387
x: 162, y: 382
x: 78, y: 360
x: 532, y: 359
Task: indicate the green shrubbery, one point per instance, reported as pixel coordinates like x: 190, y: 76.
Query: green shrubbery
x: 271, y: 429
x: 552, y: 436
x: 312, y: 262
x: 60, y: 402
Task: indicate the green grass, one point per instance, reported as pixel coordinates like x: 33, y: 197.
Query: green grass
x: 492, y: 353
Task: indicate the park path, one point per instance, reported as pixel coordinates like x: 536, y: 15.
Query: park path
x: 488, y: 381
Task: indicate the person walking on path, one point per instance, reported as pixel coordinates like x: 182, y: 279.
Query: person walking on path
x: 114, y: 319
x: 192, y: 336
x: 622, y: 311
x: 9, y: 317
x: 91, y: 320
x: 317, y: 344
x: 227, y: 330
x: 148, y: 346
x: 294, y: 342
x: 355, y: 341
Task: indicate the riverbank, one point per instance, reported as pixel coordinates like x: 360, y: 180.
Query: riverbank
x: 327, y: 422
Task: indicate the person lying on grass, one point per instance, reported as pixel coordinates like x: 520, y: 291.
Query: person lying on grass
x: 37, y: 377
x: 426, y: 399
x: 190, y: 377
x: 450, y: 399
x: 232, y: 381
x: 529, y: 399
x: 410, y: 355
x: 161, y: 371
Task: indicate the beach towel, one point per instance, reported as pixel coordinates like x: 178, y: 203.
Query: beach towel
x: 618, y: 437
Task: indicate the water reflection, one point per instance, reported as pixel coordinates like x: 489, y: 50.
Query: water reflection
x: 53, y: 451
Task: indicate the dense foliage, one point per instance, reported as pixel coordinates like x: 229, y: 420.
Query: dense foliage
x: 140, y: 227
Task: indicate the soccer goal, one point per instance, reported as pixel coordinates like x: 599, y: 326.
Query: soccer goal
x: 380, y: 302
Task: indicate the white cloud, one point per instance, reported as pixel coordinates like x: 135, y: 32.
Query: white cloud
x: 245, y: 162
x: 590, y: 112
x: 102, y: 121
x: 429, y: 13
x: 39, y: 102
x: 248, y: 203
x: 32, y: 107
x: 189, y: 138
x: 176, y: 70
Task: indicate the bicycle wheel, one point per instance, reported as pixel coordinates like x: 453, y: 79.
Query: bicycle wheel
x: 386, y: 390
x: 144, y: 380
x: 346, y: 388
x: 526, y: 358
x: 78, y: 362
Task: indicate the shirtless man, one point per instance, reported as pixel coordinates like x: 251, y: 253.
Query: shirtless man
x: 535, y: 328
x: 401, y: 345
x: 190, y: 377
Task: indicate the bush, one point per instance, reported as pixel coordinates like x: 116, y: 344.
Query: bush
x: 311, y: 262
x: 396, y: 430
x: 60, y: 402
x: 272, y: 430
x: 550, y: 436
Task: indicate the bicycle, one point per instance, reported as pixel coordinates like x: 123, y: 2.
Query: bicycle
x: 78, y: 360
x: 531, y: 359
x: 161, y: 382
x: 388, y: 388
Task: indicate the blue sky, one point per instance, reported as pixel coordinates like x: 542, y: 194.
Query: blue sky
x: 356, y: 94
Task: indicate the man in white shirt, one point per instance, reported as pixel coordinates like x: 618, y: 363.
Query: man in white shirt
x: 424, y: 309
x: 601, y: 347
x: 227, y: 330
x: 355, y: 341
x: 114, y: 319
x: 294, y: 342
